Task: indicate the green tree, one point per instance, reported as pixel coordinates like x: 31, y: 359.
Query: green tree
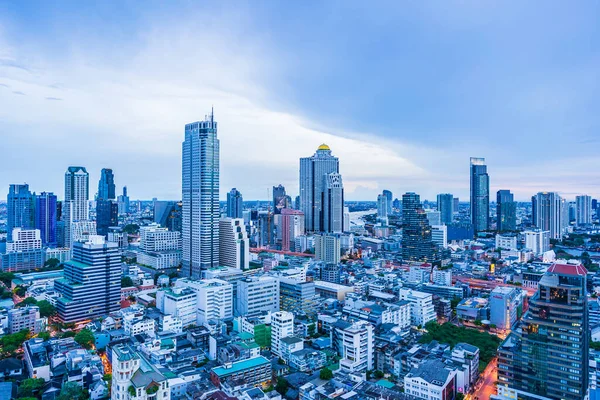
x: 126, y: 282
x: 85, y: 338
x: 44, y: 335
x: 326, y: 374
x: 28, y: 301
x: 595, y: 345
x: 459, y: 396
x: 46, y: 308
x: 30, y: 387
x: 20, y: 291
x: 6, y: 278
x: 131, y: 228
x: 10, y: 343
x: 311, y: 329
x: 378, y: 374
x: 52, y: 262
x: 72, y: 391
x: 282, y: 386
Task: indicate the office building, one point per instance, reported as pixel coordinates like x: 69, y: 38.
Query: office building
x: 75, y: 204
x: 107, y: 216
x: 256, y: 295
x: 45, y: 218
x: 354, y: 343
x: 292, y: 226
x: 214, y: 299
x: 153, y: 237
x: 180, y: 302
x: 504, y: 306
x: 433, y: 217
x: 422, y: 310
x: 390, y: 201
x: 445, y: 205
x: 24, y: 252
x: 313, y: 171
x: 282, y: 326
x: 417, y: 242
x: 200, y: 185
x: 382, y: 208
x: 548, y: 213
x: 235, y: 204
x: 106, y: 185
x: 506, y: 211
x: 442, y: 277
x: 297, y: 296
x: 507, y: 241
x: 583, y: 214
x: 332, y: 214
x: 26, y: 318
x: 168, y: 214
x: 537, y: 241
x: 549, y: 356
x: 480, y: 195
x: 82, y: 230
x: 266, y: 229
x: 439, y: 235
x: 91, y: 287
x: 20, y: 207
x: 123, y: 202
x: 280, y: 199
x: 328, y: 248
x: 330, y: 273
x: 234, y: 246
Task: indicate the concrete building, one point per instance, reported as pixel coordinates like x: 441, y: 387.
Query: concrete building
x: 442, y: 277
x: 235, y: 204
x: 433, y: 217
x: 214, y: 299
x: 548, y: 213
x: 26, y: 318
x: 234, y: 245
x: 354, y: 344
x: 297, y: 296
x: 20, y: 208
x: 506, y: 211
x: 75, y: 204
x: 153, y: 237
x: 583, y: 207
x: 506, y: 241
x: 180, y: 302
x: 292, y: 227
x: 45, y: 218
x: 480, y: 195
x: 417, y: 243
x: 537, y: 241
x: 504, y: 306
x: 256, y: 295
x: 24, y: 252
x: 422, y: 310
x: 445, y: 206
x: 328, y: 248
x: 439, y: 235
x: 431, y: 380
x: 134, y: 376
x: 282, y: 326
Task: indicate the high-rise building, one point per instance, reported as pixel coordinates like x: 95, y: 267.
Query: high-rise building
x: 266, y: 229
x: 504, y: 304
x: 297, y: 296
x: 328, y: 248
x: 439, y: 235
x: 123, y: 202
x: 382, y: 207
x: 480, y: 195
x: 24, y: 252
x: 537, y: 241
x: 168, y: 214
x: 235, y: 204
x: 107, y: 215
x: 200, y: 186
x: 330, y: 273
x: 75, y: 204
x: 256, y: 295
x: 292, y: 226
x: 312, y: 185
x: 548, y: 213
x: 20, y: 208
x: 234, y: 246
x: 280, y: 199
x: 506, y: 211
x: 548, y: 356
x: 417, y: 243
x: 215, y: 299
x: 156, y: 238
x: 282, y: 326
x: 106, y: 185
x: 45, y: 218
x: 445, y: 205
x: 354, y: 343
x: 583, y: 215
x: 91, y: 287
x: 333, y: 204
x: 433, y: 217
x: 179, y: 302
x: 421, y: 306
x: 390, y: 200
x: 456, y: 203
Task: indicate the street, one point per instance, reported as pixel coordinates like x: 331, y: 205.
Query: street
x: 488, y: 379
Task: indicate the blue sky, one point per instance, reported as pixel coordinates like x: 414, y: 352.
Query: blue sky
x: 403, y: 92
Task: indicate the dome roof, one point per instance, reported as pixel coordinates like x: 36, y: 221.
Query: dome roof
x: 324, y: 147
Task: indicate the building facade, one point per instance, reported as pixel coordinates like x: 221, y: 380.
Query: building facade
x: 234, y: 245
x: 506, y: 211
x: 480, y: 195
x: 46, y: 218
x: 235, y: 204
x: 75, y: 205
x: 445, y: 205
x: 20, y: 207
x: 417, y: 242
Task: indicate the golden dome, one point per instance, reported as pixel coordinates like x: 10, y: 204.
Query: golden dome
x: 324, y: 147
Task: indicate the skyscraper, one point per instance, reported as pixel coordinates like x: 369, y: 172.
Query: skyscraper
x: 480, y: 195
x: 20, y: 208
x: 234, y: 246
x: 506, y: 211
x: 312, y: 185
x: 91, y: 287
x: 200, y: 190
x: 332, y: 215
x: 106, y: 186
x: 583, y: 215
x: 75, y: 205
x: 45, y: 218
x: 548, y: 356
x: 417, y: 242
x: 123, y: 202
x: 548, y: 213
x: 389, y: 196
x: 445, y: 205
x: 107, y: 210
x: 235, y: 203
x: 382, y: 207
x: 292, y: 226
x: 280, y: 199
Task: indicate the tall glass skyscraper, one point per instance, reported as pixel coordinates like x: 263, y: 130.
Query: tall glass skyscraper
x: 548, y: 213
x: 389, y: 196
x: 480, y: 195
x: 235, y: 204
x: 20, y: 208
x: 106, y: 186
x: 548, y: 356
x: 445, y: 205
x: 333, y: 204
x: 45, y: 218
x: 417, y: 242
x: 312, y: 185
x: 200, y: 193
x: 107, y: 209
x: 280, y: 199
x: 506, y: 211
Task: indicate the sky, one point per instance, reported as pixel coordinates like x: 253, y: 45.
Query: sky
x: 403, y: 93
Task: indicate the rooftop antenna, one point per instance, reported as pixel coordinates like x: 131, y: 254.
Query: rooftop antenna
x: 212, y: 114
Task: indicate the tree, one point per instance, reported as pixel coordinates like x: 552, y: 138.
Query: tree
x: 459, y: 396
x: 20, y: 290
x: 131, y: 228
x: 10, y: 343
x: 378, y: 374
x: 28, y: 301
x: 72, y: 391
x: 310, y: 329
x: 46, y: 308
x: 126, y: 282
x: 44, y: 335
x: 595, y: 345
x: 85, y: 338
x: 30, y: 387
x: 326, y: 374
x: 52, y: 262
x: 6, y: 278
x: 282, y: 386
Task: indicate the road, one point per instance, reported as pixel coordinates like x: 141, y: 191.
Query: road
x: 489, y: 378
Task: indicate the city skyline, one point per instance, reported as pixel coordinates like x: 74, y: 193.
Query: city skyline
x: 130, y: 106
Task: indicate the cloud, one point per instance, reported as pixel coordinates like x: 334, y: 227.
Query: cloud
x: 54, y: 98
x: 4, y: 85
x: 19, y: 93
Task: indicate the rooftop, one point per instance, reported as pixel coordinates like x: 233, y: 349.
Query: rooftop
x: 240, y: 366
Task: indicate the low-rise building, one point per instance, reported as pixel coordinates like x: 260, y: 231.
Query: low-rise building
x: 252, y: 372
x: 431, y: 380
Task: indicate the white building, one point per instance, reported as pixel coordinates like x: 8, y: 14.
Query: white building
x: 135, y: 324
x: 439, y: 235
x: 416, y: 274
x: 132, y: 373
x: 327, y: 248
x: 422, y: 310
x: 180, y: 302
x: 430, y: 380
x: 583, y: 210
x: 23, y: 240
x: 504, y: 303
x: 75, y: 205
x: 160, y: 259
x: 170, y: 323
x: 256, y: 295
x: 214, y: 301
x: 506, y: 242
x: 355, y: 346
x: 442, y: 277
x: 537, y: 241
x: 62, y: 254
x: 234, y: 246
x: 81, y: 231
x: 156, y: 238
x: 304, y: 242
x: 434, y: 217
x: 282, y: 326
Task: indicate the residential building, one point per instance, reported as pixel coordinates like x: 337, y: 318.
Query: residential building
x: 330, y: 273
x: 442, y: 277
x: 398, y: 313
x: 328, y: 248
x: 20, y: 207
x: 297, y: 296
x: 422, y: 310
x: 180, y: 302
x: 506, y: 211
x: 439, y: 235
x: 313, y: 173
x: 26, y: 318
x: 468, y: 356
x: 75, y: 204
x: 200, y: 186
x: 92, y: 281
x: 292, y: 226
x: 583, y: 215
x: 417, y: 243
x: 282, y: 326
x: 354, y: 344
x: 234, y: 245
x: 235, y: 204
x: 24, y: 252
x: 330, y: 290
x: 214, y: 299
x: 382, y: 207
x: 256, y: 371
x: 548, y: 213
x: 431, y: 380
x: 445, y: 206
x: 46, y: 218
x: 480, y: 195
x: 390, y: 201
x: 134, y: 376
x: 332, y: 214
x: 256, y: 295
x: 506, y: 241
x: 153, y: 237
x: 538, y: 241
